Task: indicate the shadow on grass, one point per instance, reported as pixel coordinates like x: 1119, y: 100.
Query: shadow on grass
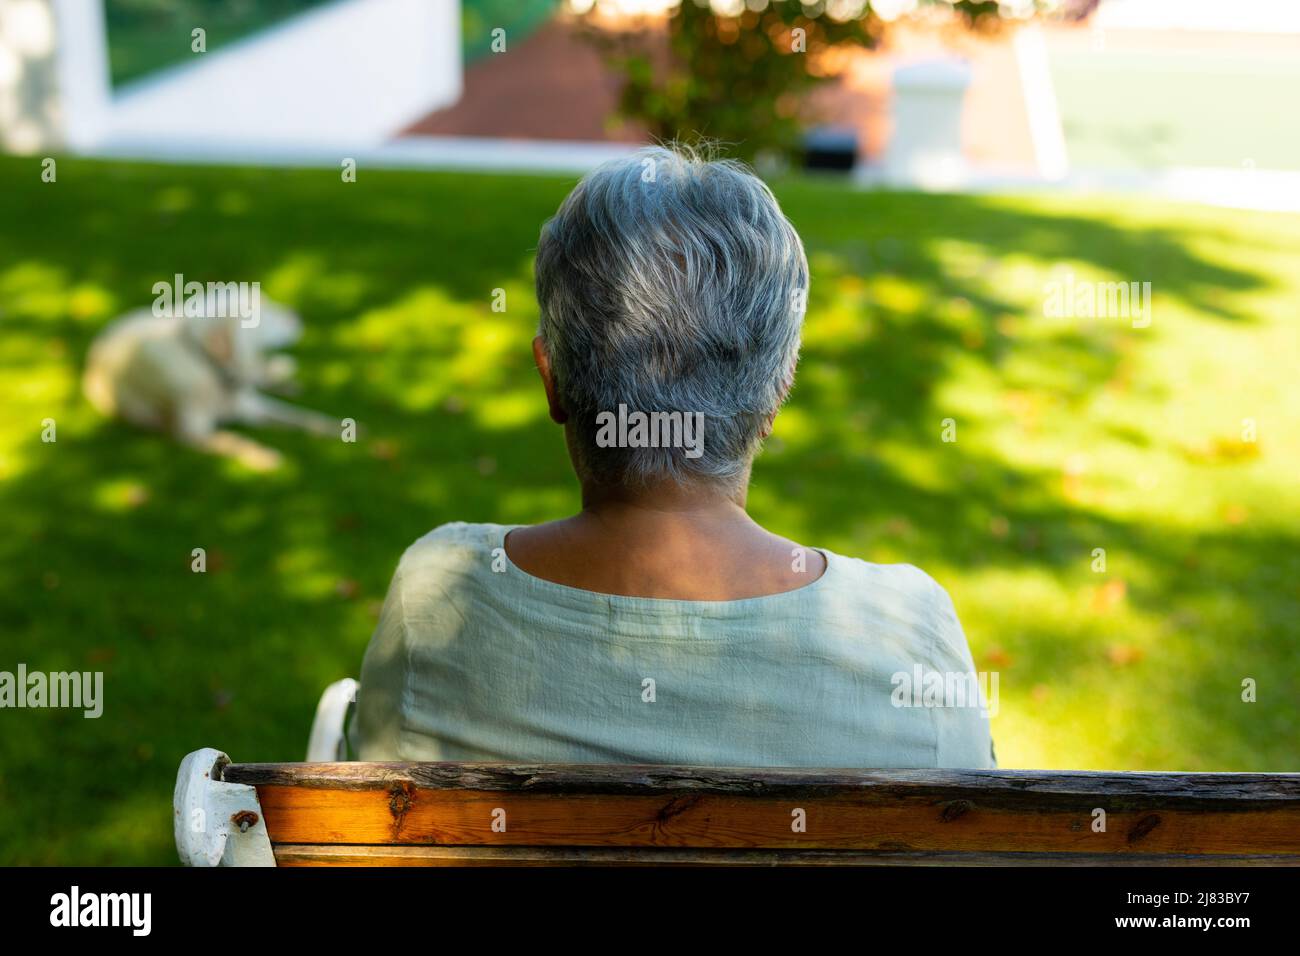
x: 394, y: 275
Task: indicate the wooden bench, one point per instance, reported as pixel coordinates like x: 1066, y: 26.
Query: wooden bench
x: 332, y: 813
x: 438, y: 814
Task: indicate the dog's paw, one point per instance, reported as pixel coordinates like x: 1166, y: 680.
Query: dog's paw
x: 260, y: 459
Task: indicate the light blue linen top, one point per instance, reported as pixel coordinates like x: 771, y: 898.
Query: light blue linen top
x: 476, y: 660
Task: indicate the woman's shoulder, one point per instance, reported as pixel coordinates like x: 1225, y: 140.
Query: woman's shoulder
x: 900, y: 592
x: 902, y: 580
x: 456, y: 548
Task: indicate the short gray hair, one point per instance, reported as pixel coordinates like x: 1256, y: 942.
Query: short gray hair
x: 671, y: 283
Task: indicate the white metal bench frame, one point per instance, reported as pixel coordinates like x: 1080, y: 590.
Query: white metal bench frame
x: 221, y: 824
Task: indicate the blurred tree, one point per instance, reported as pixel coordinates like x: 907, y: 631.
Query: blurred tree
x: 738, y: 71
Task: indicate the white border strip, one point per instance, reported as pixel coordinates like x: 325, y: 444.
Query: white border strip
x: 414, y: 152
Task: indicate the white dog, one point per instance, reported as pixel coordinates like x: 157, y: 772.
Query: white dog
x: 189, y: 375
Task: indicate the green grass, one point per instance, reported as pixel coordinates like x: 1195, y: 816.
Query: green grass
x: 1071, y: 435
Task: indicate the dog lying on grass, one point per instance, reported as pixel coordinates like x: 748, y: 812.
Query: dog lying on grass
x: 189, y: 375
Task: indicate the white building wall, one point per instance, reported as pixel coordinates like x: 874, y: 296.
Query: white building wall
x: 346, y: 76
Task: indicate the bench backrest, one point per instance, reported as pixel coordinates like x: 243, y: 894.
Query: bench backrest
x: 449, y: 813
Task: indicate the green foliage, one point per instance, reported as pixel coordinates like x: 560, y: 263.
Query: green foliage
x: 743, y: 80
x: 478, y: 18
x: 146, y: 35
x: 1072, y: 435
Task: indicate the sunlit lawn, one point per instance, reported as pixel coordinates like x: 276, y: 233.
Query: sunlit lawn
x: 1072, y: 435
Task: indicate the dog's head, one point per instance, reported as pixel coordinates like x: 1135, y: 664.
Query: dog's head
x: 278, y: 327
x: 239, y: 343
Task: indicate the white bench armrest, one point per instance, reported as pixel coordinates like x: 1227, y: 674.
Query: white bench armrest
x: 328, y: 740
x: 217, y: 823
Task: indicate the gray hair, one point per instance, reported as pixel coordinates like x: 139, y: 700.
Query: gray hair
x: 671, y: 283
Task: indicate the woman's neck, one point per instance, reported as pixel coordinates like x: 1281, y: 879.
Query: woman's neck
x: 689, y: 543
x: 665, y: 499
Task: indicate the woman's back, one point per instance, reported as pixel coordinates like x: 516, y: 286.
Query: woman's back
x: 477, y: 660
x: 661, y: 623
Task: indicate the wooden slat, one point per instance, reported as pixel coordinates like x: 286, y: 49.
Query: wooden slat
x: 1205, y: 790
x: 709, y: 809
x: 301, y: 815
x: 293, y: 854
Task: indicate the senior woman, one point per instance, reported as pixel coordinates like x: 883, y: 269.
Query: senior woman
x: 662, y: 624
